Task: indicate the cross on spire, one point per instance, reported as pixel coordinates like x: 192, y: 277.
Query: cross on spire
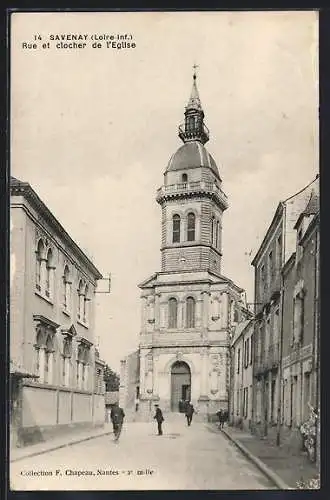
x: 195, y: 66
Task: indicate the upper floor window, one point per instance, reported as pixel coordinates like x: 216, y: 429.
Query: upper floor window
x: 81, y: 300
x: 84, y: 300
x: 184, y: 178
x: 176, y: 228
x: 66, y: 289
x: 251, y: 349
x: 191, y: 227
x: 190, y: 312
x: 172, y: 313
x: 86, y: 305
x: 50, y: 269
x: 238, y: 359
x: 40, y: 265
x: 298, y: 317
x: 247, y: 352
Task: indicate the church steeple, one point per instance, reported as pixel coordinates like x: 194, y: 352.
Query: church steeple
x: 194, y: 128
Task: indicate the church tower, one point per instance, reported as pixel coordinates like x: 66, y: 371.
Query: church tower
x: 189, y: 308
x: 191, y: 199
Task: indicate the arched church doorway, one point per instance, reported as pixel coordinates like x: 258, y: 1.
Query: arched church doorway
x: 180, y: 384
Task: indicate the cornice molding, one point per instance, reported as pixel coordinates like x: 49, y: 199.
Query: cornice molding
x: 24, y: 189
x: 45, y: 321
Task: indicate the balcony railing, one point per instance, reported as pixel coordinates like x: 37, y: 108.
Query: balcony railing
x: 193, y: 187
x: 194, y: 133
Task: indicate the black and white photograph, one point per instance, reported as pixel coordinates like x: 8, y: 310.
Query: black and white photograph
x: 164, y: 251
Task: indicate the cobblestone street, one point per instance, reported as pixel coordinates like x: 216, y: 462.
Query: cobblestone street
x: 183, y: 458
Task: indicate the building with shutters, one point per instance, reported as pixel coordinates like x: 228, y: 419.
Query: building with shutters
x: 189, y: 308
x: 56, y: 372
x: 301, y: 320
x: 276, y: 307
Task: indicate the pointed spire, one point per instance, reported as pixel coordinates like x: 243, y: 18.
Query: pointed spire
x: 194, y: 101
x: 194, y: 128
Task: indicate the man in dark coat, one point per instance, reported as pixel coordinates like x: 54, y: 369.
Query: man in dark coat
x: 189, y: 411
x: 221, y: 418
x: 160, y: 419
x: 117, y: 419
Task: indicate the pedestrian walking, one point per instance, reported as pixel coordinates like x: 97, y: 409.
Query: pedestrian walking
x: 117, y: 419
x: 160, y: 419
x: 221, y: 418
x: 189, y: 412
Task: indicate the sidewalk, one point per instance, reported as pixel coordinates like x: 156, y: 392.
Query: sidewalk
x: 282, y: 464
x: 59, y: 442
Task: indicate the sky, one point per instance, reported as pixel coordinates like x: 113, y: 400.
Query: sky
x: 92, y: 131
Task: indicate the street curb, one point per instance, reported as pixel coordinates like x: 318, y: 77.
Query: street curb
x: 261, y: 465
x: 58, y: 446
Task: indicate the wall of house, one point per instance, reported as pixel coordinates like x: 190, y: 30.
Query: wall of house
x: 48, y: 411
x: 242, y: 378
x: 17, y: 284
x: 299, y: 373
x: 47, y: 405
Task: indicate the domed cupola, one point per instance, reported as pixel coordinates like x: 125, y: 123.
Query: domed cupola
x: 194, y: 134
x: 192, y: 155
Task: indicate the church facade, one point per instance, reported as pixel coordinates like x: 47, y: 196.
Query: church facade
x: 189, y: 309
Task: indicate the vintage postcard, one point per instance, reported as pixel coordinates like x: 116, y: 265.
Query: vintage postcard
x: 164, y: 251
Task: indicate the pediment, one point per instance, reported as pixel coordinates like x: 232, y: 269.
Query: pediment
x: 72, y: 332
x: 149, y: 282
